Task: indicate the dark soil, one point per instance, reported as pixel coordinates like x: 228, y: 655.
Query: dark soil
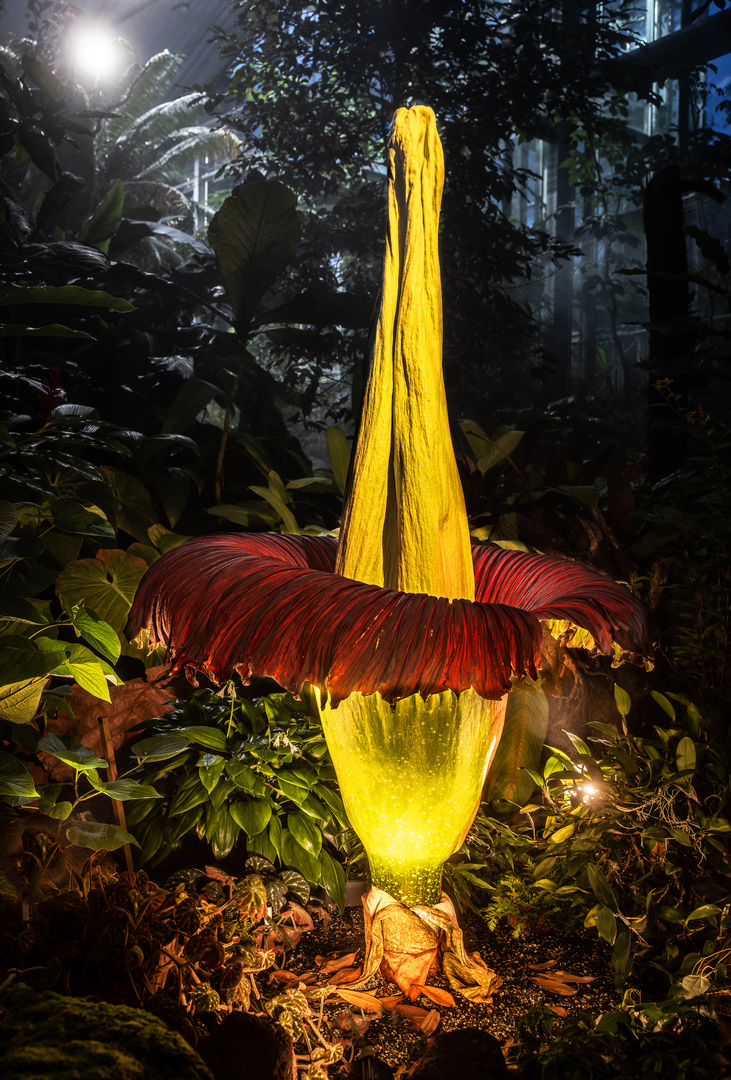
x: 394, y: 1039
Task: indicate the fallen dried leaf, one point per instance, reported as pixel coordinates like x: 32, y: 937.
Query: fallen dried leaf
x: 558, y: 1010
x: 389, y: 1002
x: 565, y: 977
x: 554, y: 986
x: 334, y: 962
x: 543, y: 966
x: 361, y: 999
x: 437, y: 995
x: 430, y: 1023
x: 344, y: 976
x: 285, y: 977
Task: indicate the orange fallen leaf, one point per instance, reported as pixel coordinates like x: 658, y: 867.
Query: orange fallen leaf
x: 334, y: 962
x: 284, y: 976
x: 361, y: 999
x: 543, y: 966
x: 389, y: 1002
x: 558, y: 1010
x: 554, y: 986
x: 565, y: 977
x: 345, y: 975
x: 429, y: 1024
x: 437, y: 995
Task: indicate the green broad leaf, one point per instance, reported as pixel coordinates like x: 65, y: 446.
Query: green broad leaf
x: 14, y: 548
x: 622, y: 700
x: 252, y: 816
x: 315, y: 809
x: 106, y: 584
x: 193, y: 396
x: 296, y: 792
x: 49, y: 802
x: 601, y: 887
x: 134, y: 508
x: 210, y: 737
x: 333, y: 800
x: 710, y: 246
x: 518, y: 756
x: 69, y: 750
x: 56, y: 330
x: 497, y: 449
x: 606, y: 924
x: 664, y: 703
x: 97, y: 632
x: 685, y: 755
x: 242, y: 776
x: 19, y: 701
x: 578, y: 743
x: 297, y: 887
x: 247, y: 513
x: 99, y: 837
x: 621, y: 960
x: 160, y: 747
x: 338, y: 449
x: 44, y: 78
x: 262, y: 846
x: 276, y: 496
x: 705, y: 911
x: 332, y: 879
x: 15, y: 780
x: 222, y: 833
x: 255, y: 234
x: 295, y: 857
x: 583, y: 493
x: 63, y: 294
x: 694, y: 985
x: 562, y: 834
x: 209, y: 773
x: 88, y: 670
x: 125, y: 790
x: 98, y: 229
x: 8, y: 518
x: 188, y: 798
x: 72, y: 516
x: 275, y: 835
x: 305, y: 833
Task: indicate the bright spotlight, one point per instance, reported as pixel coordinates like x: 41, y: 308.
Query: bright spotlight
x: 96, y: 53
x: 588, y: 790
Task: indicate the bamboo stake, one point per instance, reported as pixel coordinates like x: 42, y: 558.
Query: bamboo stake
x: 117, y: 806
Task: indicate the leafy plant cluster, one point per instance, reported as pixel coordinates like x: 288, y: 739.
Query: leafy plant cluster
x: 190, y: 951
x: 237, y: 769
x: 633, y: 836
x: 678, y: 1041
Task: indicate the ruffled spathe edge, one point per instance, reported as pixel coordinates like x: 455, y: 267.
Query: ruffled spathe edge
x: 271, y: 605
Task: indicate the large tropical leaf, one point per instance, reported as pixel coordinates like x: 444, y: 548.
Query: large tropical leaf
x: 151, y: 83
x: 254, y: 234
x: 106, y: 584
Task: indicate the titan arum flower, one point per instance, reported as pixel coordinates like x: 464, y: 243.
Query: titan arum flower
x: 409, y: 635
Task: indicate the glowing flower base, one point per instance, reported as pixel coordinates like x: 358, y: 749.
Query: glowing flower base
x: 411, y: 777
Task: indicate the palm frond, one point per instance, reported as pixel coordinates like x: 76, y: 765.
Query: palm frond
x: 173, y: 164
x: 152, y: 82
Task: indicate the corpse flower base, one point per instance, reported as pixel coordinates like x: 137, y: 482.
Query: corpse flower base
x: 411, y: 776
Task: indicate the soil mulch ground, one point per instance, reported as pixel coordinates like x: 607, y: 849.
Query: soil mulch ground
x: 394, y: 1039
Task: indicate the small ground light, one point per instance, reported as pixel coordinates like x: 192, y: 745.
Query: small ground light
x: 96, y: 53
x: 588, y: 792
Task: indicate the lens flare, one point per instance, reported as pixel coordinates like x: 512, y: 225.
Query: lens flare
x: 96, y: 53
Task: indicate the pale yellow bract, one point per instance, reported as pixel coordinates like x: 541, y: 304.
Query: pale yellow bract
x: 404, y: 520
